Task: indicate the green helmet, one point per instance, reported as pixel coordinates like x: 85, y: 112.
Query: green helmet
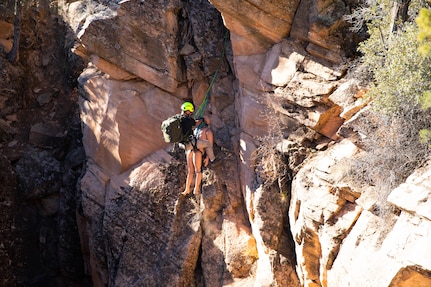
x: 187, y: 106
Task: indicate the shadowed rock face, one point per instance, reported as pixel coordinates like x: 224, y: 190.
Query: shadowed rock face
x: 10, y: 251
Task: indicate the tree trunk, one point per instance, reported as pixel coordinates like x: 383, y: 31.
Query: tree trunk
x: 404, y: 10
x: 13, y: 55
x: 399, y: 13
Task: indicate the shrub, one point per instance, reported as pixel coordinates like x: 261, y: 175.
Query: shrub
x: 424, y: 38
x: 277, y: 159
x: 270, y: 164
x: 401, y: 76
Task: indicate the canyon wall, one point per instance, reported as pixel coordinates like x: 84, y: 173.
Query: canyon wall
x: 282, y: 72
x: 286, y: 106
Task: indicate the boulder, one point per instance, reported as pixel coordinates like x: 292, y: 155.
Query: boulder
x: 282, y: 62
x: 412, y: 196
x: 147, y: 51
x: 47, y: 135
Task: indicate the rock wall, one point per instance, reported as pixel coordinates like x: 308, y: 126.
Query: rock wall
x: 285, y: 74
x: 41, y: 152
x: 341, y: 236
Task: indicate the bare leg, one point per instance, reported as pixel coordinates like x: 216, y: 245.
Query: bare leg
x: 197, y: 162
x: 206, y: 160
x: 190, y: 171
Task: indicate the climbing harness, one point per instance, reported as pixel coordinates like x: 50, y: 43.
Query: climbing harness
x: 203, y: 106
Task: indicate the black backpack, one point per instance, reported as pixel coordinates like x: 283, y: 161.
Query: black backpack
x: 171, y: 129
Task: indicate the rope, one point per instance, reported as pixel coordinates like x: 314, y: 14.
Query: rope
x: 203, y: 106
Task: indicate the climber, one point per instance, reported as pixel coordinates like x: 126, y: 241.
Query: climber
x: 205, y: 141
x: 196, y: 145
x: 187, y: 124
x: 188, y: 143
x: 193, y: 154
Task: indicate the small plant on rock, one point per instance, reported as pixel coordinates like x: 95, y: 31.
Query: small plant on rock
x: 276, y: 159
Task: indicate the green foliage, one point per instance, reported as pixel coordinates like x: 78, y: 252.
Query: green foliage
x: 400, y: 88
x: 424, y: 35
x: 425, y: 100
x: 401, y: 75
x: 425, y: 136
x: 371, y: 14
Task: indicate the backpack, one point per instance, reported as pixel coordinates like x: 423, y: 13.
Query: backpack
x: 171, y: 129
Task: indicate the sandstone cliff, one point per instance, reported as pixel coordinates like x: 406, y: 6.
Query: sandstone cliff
x: 285, y: 107
x: 286, y: 74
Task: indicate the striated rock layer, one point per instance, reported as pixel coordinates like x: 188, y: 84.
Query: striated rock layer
x: 341, y: 238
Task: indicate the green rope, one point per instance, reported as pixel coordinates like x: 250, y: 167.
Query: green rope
x: 203, y: 106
